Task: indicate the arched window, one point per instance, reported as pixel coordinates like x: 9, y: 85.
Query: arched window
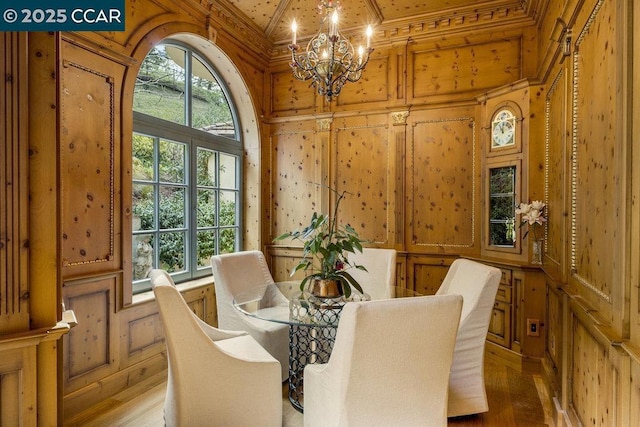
x: 187, y: 153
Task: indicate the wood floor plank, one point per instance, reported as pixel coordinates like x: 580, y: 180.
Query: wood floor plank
x: 515, y: 399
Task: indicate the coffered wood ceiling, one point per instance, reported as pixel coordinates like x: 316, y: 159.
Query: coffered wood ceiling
x: 272, y: 18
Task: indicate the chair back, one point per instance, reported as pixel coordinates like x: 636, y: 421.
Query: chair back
x: 232, y: 274
x: 478, y: 284
x: 240, y: 271
x: 213, y: 375
x: 380, y: 277
x: 389, y: 365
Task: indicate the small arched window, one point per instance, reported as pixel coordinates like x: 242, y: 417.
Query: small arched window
x: 186, y: 159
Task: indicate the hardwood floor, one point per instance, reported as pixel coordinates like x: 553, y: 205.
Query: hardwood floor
x: 515, y: 399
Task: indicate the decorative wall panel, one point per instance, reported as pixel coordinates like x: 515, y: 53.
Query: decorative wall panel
x: 295, y: 170
x: 144, y: 332
x: 290, y: 94
x: 465, y: 68
x: 88, y: 343
x: 442, y: 183
x: 373, y: 86
x: 427, y: 274
x: 18, y: 387
x: 14, y: 194
x: 557, y: 152
x: 87, y: 165
x: 91, y: 348
x: 363, y: 168
x: 554, y: 345
x: 597, y: 202
x: 594, y: 379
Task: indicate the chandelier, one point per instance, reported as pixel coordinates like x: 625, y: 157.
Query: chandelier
x: 329, y: 59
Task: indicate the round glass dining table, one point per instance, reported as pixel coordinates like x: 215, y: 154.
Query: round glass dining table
x: 313, y: 323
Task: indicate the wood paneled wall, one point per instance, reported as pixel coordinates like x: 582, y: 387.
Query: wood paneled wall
x: 65, y: 204
x: 409, y: 142
x: 591, y: 257
x: 119, y: 338
x: 423, y: 109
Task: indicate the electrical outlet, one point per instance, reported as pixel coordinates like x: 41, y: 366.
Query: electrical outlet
x: 533, y: 327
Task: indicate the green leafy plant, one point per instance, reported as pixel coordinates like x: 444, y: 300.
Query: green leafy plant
x: 326, y: 248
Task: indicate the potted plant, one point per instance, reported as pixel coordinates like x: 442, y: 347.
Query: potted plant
x: 325, y: 254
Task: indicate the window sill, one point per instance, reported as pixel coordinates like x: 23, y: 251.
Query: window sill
x: 145, y: 297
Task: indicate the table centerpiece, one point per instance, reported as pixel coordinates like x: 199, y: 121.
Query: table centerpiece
x: 325, y: 254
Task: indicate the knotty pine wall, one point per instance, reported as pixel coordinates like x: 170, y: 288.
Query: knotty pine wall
x: 66, y: 204
x: 409, y: 142
x: 592, y: 253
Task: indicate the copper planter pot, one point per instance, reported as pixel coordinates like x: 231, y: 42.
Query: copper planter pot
x: 327, y: 288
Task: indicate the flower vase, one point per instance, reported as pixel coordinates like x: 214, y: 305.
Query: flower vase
x: 536, y: 257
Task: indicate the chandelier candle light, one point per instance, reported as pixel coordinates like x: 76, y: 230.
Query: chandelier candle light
x: 329, y: 60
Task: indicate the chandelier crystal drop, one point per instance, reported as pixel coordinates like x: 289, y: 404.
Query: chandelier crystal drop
x: 329, y: 60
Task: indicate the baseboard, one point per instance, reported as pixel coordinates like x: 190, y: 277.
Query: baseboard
x: 100, y: 391
x: 513, y: 359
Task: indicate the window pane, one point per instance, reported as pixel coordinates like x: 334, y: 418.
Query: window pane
x: 228, y: 173
x: 502, y: 207
x: 227, y: 208
x: 501, y: 234
x: 160, y: 86
x: 172, y: 252
x: 186, y: 155
x: 502, y: 180
x: 143, y: 157
x: 206, y: 208
x: 173, y: 208
x: 211, y: 112
x: 206, y: 247
x: 143, y: 207
x: 142, y: 256
x: 206, y: 167
x: 228, y: 238
x: 172, y: 161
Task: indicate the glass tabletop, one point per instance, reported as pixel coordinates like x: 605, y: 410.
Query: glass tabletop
x: 283, y: 302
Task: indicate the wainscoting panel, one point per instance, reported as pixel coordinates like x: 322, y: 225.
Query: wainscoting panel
x: 600, y: 370
x: 91, y: 348
x: 18, y: 387
x: 425, y: 274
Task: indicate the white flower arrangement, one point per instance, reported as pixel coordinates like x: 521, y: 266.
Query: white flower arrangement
x: 533, y: 215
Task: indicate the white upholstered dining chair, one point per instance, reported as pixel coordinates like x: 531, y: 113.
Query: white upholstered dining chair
x: 240, y: 271
x: 478, y: 284
x: 214, y: 376
x: 380, y: 277
x: 389, y: 365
